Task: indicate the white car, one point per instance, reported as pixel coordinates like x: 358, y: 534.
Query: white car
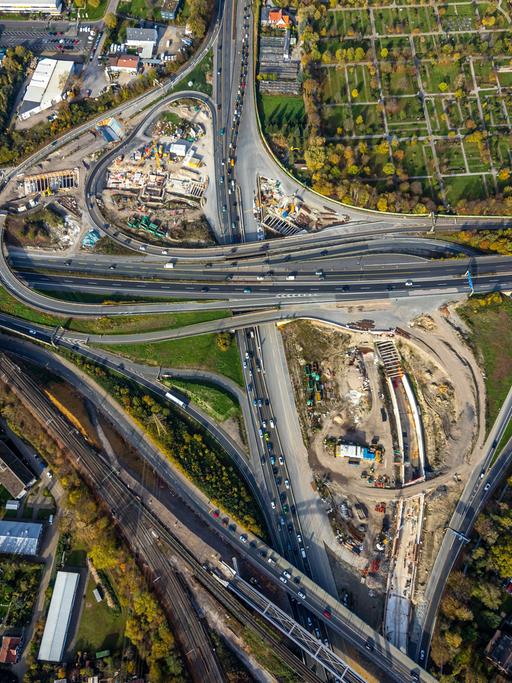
x: 408, y: 283
x: 273, y: 504
x: 272, y: 423
x: 287, y: 483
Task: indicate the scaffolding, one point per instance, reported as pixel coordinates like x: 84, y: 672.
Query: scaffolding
x: 51, y: 182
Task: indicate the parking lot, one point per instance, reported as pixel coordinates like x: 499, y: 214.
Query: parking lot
x: 40, y: 38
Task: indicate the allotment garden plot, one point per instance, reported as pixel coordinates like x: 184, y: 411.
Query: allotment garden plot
x: 422, y: 93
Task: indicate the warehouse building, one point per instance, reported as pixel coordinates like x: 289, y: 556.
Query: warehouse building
x: 20, y: 538
x: 31, y: 6
x: 144, y: 39
x: 57, y: 623
x: 14, y: 474
x: 46, y: 87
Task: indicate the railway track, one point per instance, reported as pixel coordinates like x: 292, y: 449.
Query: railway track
x: 147, y: 536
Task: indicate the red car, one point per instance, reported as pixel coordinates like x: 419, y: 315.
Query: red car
x: 216, y: 513
x: 327, y: 613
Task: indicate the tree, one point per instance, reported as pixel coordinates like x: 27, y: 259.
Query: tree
x: 223, y: 340
x: 382, y: 204
x: 443, y: 86
x: 354, y: 93
x: 110, y: 20
x: 388, y: 168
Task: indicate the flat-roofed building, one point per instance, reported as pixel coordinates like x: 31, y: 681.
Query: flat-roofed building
x: 46, y: 86
x: 14, y: 474
x: 57, y: 623
x: 20, y: 538
x: 31, y: 6
x: 145, y: 39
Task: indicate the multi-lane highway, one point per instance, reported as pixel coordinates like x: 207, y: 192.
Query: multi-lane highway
x: 299, y: 586
x: 268, y: 281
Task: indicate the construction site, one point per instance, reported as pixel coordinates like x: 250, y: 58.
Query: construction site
x: 281, y: 215
x: 365, y: 398
x: 160, y: 188
x: 49, y: 182
x: 361, y: 563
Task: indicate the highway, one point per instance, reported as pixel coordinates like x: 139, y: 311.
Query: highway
x: 322, y: 605
x: 480, y: 487
x: 372, y: 257
x: 148, y: 537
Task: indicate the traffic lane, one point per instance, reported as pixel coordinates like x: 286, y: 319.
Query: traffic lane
x: 275, y: 474
x: 276, y: 288
x: 340, y: 268
x: 372, y: 254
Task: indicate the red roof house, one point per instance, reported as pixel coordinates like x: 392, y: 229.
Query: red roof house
x: 8, y: 650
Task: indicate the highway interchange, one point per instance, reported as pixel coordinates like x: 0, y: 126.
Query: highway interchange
x: 371, y: 257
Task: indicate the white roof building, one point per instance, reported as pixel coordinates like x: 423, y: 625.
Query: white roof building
x: 46, y: 86
x: 59, y: 616
x: 43, y: 6
x: 20, y: 538
x: 143, y: 38
x: 178, y: 148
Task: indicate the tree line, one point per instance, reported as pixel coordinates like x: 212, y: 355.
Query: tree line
x: 146, y: 627
x: 475, y: 600
x: 188, y: 447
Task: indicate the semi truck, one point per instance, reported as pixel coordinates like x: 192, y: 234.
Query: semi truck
x: 181, y: 402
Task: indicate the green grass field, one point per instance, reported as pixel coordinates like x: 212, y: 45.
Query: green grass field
x: 215, y: 401
x: 95, y: 13
x: 199, y: 352
x: 123, y: 324
x: 136, y: 8
x: 281, y: 109
x: 101, y: 628
x: 491, y: 325
x: 200, y: 77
